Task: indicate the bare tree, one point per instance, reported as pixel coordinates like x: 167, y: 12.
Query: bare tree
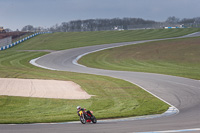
x: 28, y: 28
x: 173, y: 20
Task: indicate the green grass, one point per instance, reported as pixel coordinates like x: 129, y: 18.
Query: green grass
x: 179, y: 57
x: 113, y: 97
x: 60, y: 41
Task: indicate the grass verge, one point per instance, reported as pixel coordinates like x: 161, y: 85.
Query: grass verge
x: 67, y: 40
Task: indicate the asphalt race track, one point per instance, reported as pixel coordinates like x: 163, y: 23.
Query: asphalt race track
x: 180, y: 92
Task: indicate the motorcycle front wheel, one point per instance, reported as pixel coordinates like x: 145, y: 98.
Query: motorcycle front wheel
x: 83, y: 120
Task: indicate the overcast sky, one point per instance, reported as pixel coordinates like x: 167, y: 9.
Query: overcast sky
x: 15, y: 14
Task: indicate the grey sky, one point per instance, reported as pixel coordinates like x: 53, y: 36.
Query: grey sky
x: 15, y: 14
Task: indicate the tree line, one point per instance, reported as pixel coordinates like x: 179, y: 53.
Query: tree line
x: 115, y: 24
x: 100, y: 24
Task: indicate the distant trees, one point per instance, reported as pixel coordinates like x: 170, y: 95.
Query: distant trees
x: 115, y: 24
x: 30, y: 28
x: 191, y: 22
x: 172, y: 20
x: 8, y: 30
x: 101, y: 24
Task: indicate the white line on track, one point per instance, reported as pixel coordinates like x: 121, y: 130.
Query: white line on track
x: 172, y: 131
x: 33, y: 62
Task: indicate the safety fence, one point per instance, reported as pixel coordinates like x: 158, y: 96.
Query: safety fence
x: 22, y: 40
x: 5, y: 41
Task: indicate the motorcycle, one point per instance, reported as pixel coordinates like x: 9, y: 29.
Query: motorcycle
x: 87, y: 117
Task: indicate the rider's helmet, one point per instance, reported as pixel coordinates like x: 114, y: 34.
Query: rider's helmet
x: 78, y: 107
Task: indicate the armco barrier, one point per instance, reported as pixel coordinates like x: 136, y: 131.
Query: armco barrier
x: 22, y: 40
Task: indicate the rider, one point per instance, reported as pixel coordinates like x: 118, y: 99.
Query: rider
x: 82, y: 109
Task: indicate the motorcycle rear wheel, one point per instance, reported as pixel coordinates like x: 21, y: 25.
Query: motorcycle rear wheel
x: 94, y: 120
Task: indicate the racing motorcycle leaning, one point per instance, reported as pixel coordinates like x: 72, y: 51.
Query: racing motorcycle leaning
x: 87, y: 116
